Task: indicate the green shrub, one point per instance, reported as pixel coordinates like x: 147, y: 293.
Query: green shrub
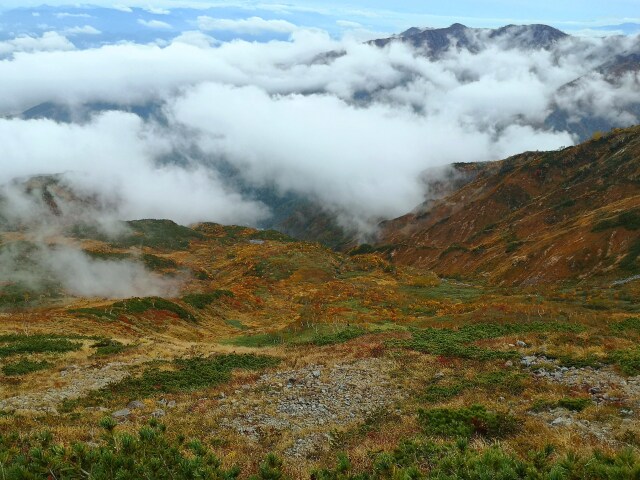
x: 187, y: 375
x: 628, y: 361
x: 627, y: 325
x: 271, y: 235
x: 574, y: 404
x: 153, y: 262
x: 147, y: 454
x: 23, y: 344
x: 466, y: 422
x: 160, y: 234
x: 458, y: 343
x: 202, y: 300
x: 22, y: 367
x: 108, y: 347
x: 258, y: 341
x: 136, y: 306
x: 492, y: 382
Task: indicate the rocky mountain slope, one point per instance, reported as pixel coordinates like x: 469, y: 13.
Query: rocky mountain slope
x: 533, y: 218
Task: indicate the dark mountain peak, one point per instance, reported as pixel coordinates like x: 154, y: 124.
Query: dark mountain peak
x: 456, y: 27
x: 530, y: 36
x: 435, y: 41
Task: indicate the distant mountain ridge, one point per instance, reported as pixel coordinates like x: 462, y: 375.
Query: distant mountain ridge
x: 436, y: 41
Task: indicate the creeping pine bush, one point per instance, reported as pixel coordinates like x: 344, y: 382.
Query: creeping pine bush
x: 22, y: 367
x: 201, y: 300
x: 466, y: 422
x: 147, y: 454
x: 152, y: 454
x: 458, y: 343
x: 424, y: 459
x: 188, y: 375
x: 21, y: 344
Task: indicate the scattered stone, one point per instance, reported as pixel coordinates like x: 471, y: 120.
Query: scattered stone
x: 561, y: 422
x: 136, y: 404
x: 121, y: 414
x: 508, y: 364
x: 310, y: 398
x: 78, y: 382
x: 520, y: 343
x: 529, y: 360
x: 158, y: 413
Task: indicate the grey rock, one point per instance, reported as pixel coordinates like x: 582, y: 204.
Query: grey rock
x: 136, y: 404
x: 158, y: 413
x: 520, y: 343
x: 124, y: 413
x: 561, y: 422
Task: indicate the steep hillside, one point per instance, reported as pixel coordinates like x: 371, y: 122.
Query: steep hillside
x: 535, y: 217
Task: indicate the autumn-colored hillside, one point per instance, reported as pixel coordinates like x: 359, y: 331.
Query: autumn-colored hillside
x: 572, y: 214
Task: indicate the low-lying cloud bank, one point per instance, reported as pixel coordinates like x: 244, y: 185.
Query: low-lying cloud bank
x: 352, y: 131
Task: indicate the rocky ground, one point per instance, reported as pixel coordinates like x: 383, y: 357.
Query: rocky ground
x: 307, y: 403
x: 605, y: 388
x: 76, y: 382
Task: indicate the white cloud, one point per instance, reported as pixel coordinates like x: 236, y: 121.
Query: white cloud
x: 353, y: 131
x: 49, y: 41
x: 197, y: 39
x: 114, y: 155
x: 348, y: 24
x: 157, y: 24
x: 157, y: 11
x: 72, y: 15
x: 122, y: 8
x: 246, y: 26
x: 84, y: 30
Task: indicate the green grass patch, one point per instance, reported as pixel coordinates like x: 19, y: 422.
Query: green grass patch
x: 626, y: 326
x: 108, y: 347
x: 159, y: 234
x: 236, y: 324
x: 458, y: 343
x: 25, y: 344
x: 136, y: 306
x: 491, y: 382
x: 186, y: 375
x: 273, y: 235
x: 322, y: 336
x: 202, y: 300
x: 627, y: 361
x: 466, y: 422
x: 260, y: 340
x: 153, y: 262
x: 22, y: 367
x: 569, y: 403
